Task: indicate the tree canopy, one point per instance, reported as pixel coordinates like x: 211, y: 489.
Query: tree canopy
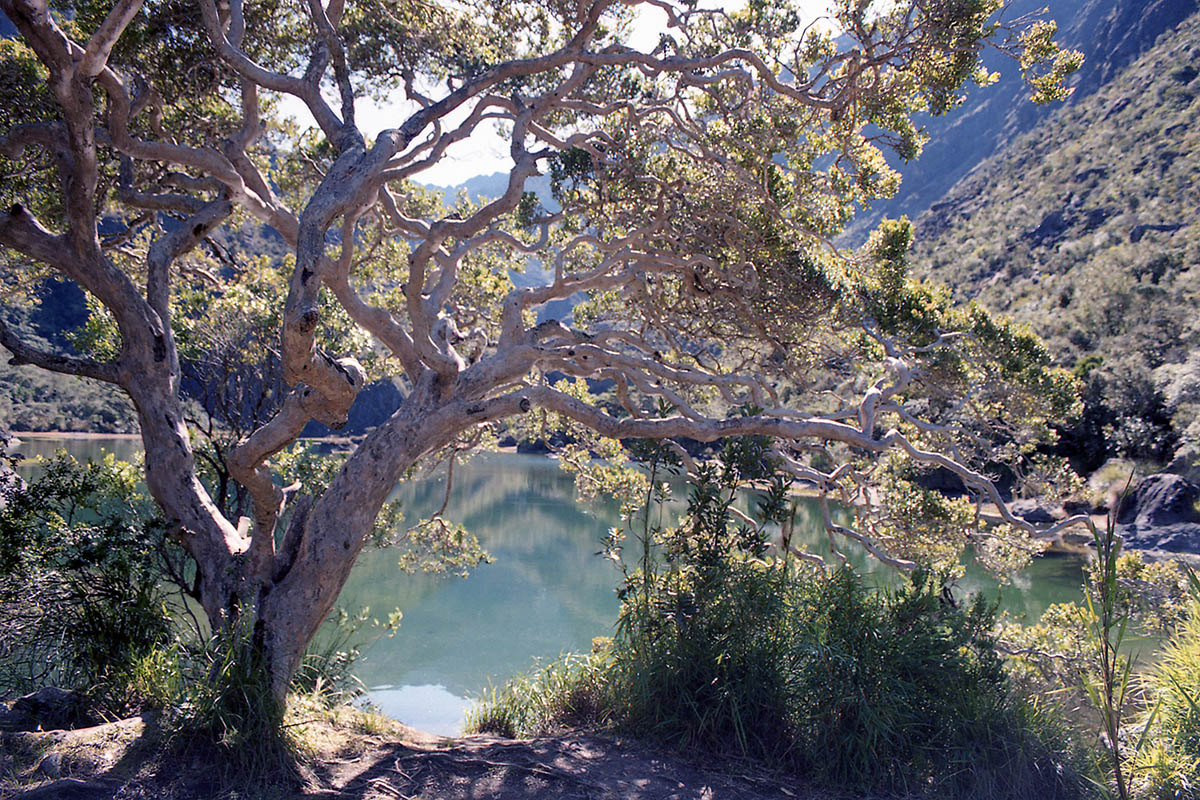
x: 696, y: 189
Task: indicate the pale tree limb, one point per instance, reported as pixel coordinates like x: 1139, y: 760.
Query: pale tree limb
x: 168, y: 247
x: 23, y: 353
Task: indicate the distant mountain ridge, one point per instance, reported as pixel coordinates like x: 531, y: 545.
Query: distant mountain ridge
x: 489, y: 187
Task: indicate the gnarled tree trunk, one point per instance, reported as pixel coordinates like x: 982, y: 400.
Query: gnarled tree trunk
x: 699, y: 186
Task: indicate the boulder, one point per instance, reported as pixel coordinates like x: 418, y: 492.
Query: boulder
x: 49, y: 708
x: 1186, y: 463
x: 1032, y: 511
x: 1160, y: 500
x: 52, y: 765
x: 1052, y: 226
x: 1073, y: 507
x: 1159, y: 513
x: 1183, y: 537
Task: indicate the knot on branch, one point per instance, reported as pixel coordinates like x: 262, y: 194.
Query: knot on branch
x: 329, y: 403
x: 307, y: 320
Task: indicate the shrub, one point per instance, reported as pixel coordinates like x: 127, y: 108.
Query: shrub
x: 569, y: 692
x: 720, y: 649
x: 81, y: 595
x: 1168, y: 765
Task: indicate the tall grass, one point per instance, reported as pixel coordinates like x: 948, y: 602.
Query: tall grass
x: 570, y: 692
x: 720, y: 649
x: 1167, y: 764
x: 214, y: 698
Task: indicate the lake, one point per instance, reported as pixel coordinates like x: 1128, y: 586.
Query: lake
x: 547, y: 591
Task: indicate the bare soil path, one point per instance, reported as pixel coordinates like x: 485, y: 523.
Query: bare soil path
x: 574, y: 766
x: 350, y: 756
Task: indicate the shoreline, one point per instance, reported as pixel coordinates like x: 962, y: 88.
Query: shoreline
x: 71, y: 435
x: 1073, y: 543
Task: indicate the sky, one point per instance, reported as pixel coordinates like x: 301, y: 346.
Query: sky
x: 486, y: 151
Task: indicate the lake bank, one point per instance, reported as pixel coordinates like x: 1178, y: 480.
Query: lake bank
x: 547, y: 591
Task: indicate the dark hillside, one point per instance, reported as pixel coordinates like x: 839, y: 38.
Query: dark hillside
x: 33, y: 399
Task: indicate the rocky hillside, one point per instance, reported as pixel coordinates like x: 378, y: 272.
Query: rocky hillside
x: 1110, y: 33
x: 33, y: 399
x: 1086, y: 228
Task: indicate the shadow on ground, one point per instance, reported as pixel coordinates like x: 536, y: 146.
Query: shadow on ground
x: 123, y: 761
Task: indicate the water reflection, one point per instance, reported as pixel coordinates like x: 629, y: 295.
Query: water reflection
x: 82, y: 448
x: 546, y: 592
x: 427, y: 708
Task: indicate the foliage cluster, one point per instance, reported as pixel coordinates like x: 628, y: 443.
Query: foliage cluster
x: 81, y: 563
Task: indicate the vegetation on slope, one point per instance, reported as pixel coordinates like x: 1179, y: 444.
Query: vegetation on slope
x: 1110, y: 33
x: 1085, y: 229
x: 33, y: 399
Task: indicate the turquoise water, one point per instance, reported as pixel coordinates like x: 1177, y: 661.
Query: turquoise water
x: 547, y: 591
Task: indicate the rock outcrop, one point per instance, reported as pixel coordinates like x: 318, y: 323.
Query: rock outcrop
x: 48, y: 708
x: 1160, y: 513
x: 1032, y: 511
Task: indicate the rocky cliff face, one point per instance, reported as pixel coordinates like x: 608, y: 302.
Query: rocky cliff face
x: 1110, y: 33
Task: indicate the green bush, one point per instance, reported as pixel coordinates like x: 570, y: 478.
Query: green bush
x: 572, y: 691
x: 81, y: 591
x: 1168, y: 764
x: 813, y: 674
x: 858, y: 689
x: 722, y: 650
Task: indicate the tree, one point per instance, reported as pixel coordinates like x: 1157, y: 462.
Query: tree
x: 697, y: 187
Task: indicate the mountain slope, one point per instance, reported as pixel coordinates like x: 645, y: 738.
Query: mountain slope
x: 1110, y: 33
x: 1086, y: 227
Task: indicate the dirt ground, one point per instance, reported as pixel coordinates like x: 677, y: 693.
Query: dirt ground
x: 349, y: 755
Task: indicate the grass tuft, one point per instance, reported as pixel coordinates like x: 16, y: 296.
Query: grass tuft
x: 570, y: 692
